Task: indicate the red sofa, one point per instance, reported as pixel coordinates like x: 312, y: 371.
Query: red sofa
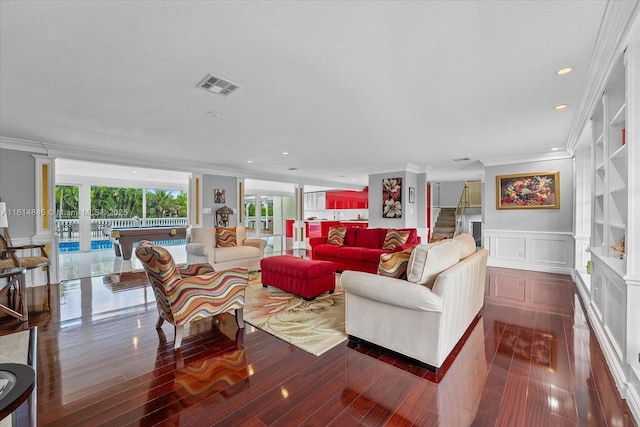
x: 361, y: 249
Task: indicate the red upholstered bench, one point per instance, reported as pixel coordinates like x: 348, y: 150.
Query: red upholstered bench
x: 304, y: 277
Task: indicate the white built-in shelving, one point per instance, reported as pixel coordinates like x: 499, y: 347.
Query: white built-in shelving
x: 613, y: 294
x: 610, y: 172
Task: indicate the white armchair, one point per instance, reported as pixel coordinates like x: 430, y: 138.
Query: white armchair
x: 425, y: 316
x: 202, y: 247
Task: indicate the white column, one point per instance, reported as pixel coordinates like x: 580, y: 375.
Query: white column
x: 299, y: 233
x: 46, y: 219
x: 84, y: 216
x: 195, y: 201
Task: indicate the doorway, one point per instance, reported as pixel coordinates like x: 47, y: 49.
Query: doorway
x: 264, y: 217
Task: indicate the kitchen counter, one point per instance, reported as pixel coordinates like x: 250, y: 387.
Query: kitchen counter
x: 320, y: 227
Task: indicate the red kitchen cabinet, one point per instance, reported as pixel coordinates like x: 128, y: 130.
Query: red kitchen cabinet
x: 328, y: 224
x: 347, y: 199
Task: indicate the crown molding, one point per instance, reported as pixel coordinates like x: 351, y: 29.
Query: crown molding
x: 91, y: 155
x: 408, y: 168
x: 617, y: 21
x: 555, y: 155
x: 449, y: 175
x: 23, y: 145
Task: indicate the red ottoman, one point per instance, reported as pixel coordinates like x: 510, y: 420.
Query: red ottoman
x: 304, y: 277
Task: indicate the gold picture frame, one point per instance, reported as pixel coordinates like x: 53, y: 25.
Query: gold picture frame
x: 539, y: 190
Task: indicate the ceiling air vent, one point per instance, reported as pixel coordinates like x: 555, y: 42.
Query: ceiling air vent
x: 218, y: 85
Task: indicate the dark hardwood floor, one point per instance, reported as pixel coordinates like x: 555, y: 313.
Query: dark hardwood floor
x: 102, y: 362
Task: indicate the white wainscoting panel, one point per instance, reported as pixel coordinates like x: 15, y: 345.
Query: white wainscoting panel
x: 510, y: 248
x: 551, y: 252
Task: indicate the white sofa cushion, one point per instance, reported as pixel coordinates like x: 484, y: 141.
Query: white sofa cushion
x: 467, y: 244
x: 206, y: 236
x: 429, y: 260
x: 241, y: 234
x: 236, y: 253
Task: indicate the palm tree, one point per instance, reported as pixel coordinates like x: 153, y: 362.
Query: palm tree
x: 102, y: 202
x: 181, y: 204
x: 159, y: 203
x: 67, y: 201
x: 128, y: 202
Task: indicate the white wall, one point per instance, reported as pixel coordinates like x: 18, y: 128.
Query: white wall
x: 533, y: 239
x: 209, y: 184
x: 17, y: 189
x: 447, y: 194
x: 409, y: 210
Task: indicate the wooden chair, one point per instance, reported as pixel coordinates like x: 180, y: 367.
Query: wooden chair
x: 10, y: 258
x: 184, y: 295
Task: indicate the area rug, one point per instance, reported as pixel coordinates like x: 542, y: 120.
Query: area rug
x: 313, y: 326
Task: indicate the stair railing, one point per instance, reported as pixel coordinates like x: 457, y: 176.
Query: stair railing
x: 471, y: 196
x: 462, y: 205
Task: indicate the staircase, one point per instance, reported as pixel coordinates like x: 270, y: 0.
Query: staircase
x: 445, y: 226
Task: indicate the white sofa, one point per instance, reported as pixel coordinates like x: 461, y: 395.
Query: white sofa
x: 424, y: 316
x: 201, y: 248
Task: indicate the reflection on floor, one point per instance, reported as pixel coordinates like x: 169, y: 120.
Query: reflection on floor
x: 75, y: 265
x: 102, y: 362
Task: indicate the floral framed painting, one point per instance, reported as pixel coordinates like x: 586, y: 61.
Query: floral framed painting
x: 540, y: 190
x: 392, y: 198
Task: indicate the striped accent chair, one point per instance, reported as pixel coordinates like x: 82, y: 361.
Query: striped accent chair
x: 192, y: 293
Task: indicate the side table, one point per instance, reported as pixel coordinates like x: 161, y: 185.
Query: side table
x: 15, y: 277
x: 18, y: 364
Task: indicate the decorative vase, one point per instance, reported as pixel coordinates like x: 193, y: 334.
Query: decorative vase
x: 619, y: 247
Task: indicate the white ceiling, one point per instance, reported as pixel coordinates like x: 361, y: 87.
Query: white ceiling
x: 347, y: 88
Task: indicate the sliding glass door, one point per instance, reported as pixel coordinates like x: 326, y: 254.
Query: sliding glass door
x: 264, y: 217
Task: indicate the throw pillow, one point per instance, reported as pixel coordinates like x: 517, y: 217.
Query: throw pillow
x: 226, y: 237
x: 427, y: 261
x: 395, y: 264
x: 371, y: 238
x: 336, y: 235
x: 467, y: 244
x: 350, y: 236
x: 206, y: 236
x: 395, y: 238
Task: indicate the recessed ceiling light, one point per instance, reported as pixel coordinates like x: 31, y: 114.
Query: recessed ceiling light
x: 213, y: 114
x: 561, y: 106
x: 284, y: 153
x: 564, y: 70
x: 249, y: 161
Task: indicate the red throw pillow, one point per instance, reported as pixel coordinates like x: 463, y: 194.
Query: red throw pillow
x: 370, y: 238
x: 350, y: 237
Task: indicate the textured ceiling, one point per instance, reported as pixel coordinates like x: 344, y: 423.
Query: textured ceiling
x: 348, y: 89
